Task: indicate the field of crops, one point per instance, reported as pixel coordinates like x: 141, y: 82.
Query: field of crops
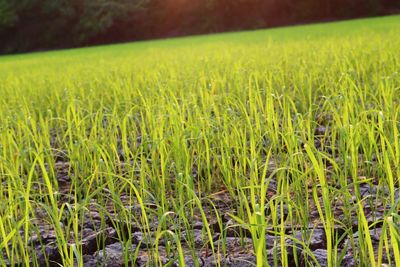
x: 277, y: 147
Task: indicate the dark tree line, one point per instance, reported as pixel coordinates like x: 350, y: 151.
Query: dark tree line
x: 27, y: 25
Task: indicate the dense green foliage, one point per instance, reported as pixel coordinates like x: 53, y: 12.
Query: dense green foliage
x: 43, y: 24
x: 168, y: 126
x: 30, y: 24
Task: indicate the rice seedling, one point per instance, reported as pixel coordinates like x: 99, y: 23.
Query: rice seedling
x: 265, y: 148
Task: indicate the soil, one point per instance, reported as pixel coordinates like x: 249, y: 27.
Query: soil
x: 102, y: 246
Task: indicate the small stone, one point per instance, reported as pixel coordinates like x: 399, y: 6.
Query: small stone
x: 113, y: 255
x: 321, y: 256
x: 312, y: 238
x: 320, y: 130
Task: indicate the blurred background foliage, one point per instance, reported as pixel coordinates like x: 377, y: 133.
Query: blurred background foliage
x: 29, y: 25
